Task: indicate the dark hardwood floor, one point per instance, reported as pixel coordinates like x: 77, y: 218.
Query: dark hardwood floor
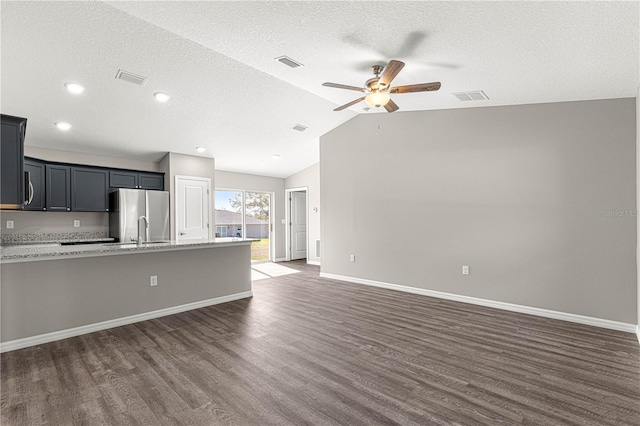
x: 307, y: 350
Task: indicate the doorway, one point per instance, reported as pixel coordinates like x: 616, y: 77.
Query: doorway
x: 245, y: 214
x: 297, y: 219
x: 193, y: 208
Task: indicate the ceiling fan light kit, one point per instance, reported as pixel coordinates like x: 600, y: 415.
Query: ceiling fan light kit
x: 379, y: 90
x: 377, y: 99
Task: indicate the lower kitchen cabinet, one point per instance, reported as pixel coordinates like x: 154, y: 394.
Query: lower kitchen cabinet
x: 89, y: 189
x: 36, y: 182
x: 58, y: 188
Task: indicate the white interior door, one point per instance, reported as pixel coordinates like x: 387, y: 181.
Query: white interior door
x: 193, y: 208
x: 298, y: 225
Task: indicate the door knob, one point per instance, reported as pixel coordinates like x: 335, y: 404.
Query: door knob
x: 183, y: 233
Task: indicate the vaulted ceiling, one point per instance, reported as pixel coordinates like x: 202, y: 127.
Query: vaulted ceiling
x: 216, y: 61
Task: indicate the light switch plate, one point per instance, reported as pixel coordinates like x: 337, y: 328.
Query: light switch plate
x: 9, y: 224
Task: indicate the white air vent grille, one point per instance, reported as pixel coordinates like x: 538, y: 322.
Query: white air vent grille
x: 299, y: 127
x: 123, y: 75
x: 477, y: 95
x: 289, y: 62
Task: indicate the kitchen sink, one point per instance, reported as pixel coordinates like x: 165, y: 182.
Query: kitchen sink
x: 133, y: 243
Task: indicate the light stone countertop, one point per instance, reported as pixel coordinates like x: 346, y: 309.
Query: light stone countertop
x: 59, y: 242
x: 27, y: 253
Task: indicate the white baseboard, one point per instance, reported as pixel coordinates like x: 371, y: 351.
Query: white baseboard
x: 638, y: 332
x: 90, y: 328
x: 581, y: 319
x: 313, y: 262
x: 280, y: 259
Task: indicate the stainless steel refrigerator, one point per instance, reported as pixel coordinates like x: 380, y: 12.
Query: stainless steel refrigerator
x: 138, y: 215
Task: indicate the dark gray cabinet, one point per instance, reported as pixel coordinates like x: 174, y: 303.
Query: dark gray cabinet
x: 123, y: 179
x: 153, y: 181
x: 12, y: 185
x: 69, y: 187
x: 89, y: 189
x: 133, y: 179
x: 35, y: 171
x: 58, y: 188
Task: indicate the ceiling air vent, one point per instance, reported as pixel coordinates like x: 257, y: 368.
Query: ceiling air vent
x: 288, y: 62
x: 123, y: 75
x: 299, y: 127
x: 477, y: 95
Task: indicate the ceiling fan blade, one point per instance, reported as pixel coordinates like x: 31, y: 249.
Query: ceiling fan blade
x: 391, y: 106
x: 343, y: 86
x: 422, y: 87
x: 390, y: 72
x: 340, y: 108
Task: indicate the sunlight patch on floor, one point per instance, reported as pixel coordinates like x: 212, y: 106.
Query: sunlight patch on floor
x: 268, y: 270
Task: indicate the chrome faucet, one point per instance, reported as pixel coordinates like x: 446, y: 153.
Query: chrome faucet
x: 146, y: 226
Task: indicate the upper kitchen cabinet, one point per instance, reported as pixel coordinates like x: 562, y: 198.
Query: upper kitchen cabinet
x: 58, y: 187
x: 35, y: 172
x: 123, y: 179
x: 151, y: 181
x: 136, y: 180
x: 12, y: 185
x: 89, y: 189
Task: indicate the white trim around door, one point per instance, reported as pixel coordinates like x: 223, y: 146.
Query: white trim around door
x: 287, y: 196
x: 178, y: 208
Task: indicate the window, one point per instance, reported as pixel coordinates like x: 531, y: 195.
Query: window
x: 245, y: 214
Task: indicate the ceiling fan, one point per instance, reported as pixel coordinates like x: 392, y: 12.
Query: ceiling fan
x: 378, y: 88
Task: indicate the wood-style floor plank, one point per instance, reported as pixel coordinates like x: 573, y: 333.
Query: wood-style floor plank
x: 308, y: 350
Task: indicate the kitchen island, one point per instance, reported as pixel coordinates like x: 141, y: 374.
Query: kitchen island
x: 54, y: 292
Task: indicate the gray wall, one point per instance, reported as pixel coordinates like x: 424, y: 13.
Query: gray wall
x: 534, y: 198
x: 46, y: 296
x: 173, y: 165
x: 89, y: 159
x: 309, y: 178
x: 247, y: 182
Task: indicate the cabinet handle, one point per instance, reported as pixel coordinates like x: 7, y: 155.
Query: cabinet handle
x: 68, y: 209
x: 44, y: 208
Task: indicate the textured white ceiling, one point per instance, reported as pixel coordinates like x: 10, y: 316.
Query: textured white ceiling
x: 216, y: 61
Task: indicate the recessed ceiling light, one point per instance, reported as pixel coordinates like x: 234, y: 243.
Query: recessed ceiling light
x: 276, y: 156
x: 161, y: 97
x: 63, y: 125
x: 74, y: 88
x: 200, y: 149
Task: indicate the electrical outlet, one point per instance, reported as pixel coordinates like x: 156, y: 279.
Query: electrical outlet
x: 153, y: 280
x: 465, y: 270
x: 76, y: 224
x: 9, y: 224
x: 352, y: 258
